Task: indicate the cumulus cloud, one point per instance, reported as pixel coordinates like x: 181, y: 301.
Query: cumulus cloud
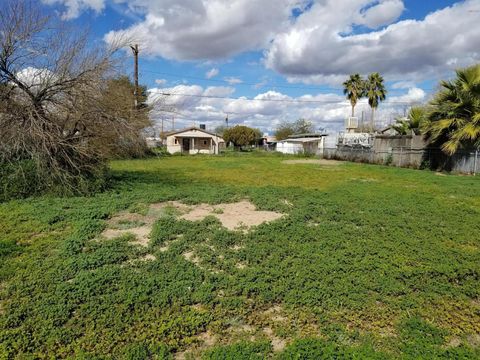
x: 212, y: 73
x: 215, y: 29
x: 325, y: 40
x: 210, y: 105
x: 414, y: 95
x: 383, y: 13
x: 36, y: 79
x: 321, y: 46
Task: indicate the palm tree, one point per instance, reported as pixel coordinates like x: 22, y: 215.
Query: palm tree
x: 375, y: 92
x: 354, y: 89
x: 455, y: 117
x: 414, y: 122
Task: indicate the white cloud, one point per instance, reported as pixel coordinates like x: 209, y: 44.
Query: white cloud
x: 321, y: 47
x: 161, y: 81
x: 207, y: 30
x: 36, y: 79
x: 267, y: 109
x: 403, y: 85
x: 73, y: 8
x: 382, y: 13
x: 232, y: 80
x: 414, y: 95
x: 212, y: 73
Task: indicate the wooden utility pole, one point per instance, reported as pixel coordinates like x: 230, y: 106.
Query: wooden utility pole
x: 135, y: 75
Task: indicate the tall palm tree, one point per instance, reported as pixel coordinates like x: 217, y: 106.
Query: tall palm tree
x: 354, y: 89
x: 455, y: 117
x: 375, y: 92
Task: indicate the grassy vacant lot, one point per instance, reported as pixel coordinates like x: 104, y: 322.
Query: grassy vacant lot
x: 369, y: 262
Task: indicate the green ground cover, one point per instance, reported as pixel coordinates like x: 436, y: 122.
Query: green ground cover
x: 369, y: 262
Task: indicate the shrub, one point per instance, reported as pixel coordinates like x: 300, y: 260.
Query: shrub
x: 18, y: 180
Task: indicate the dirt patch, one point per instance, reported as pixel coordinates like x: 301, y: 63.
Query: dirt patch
x: 148, y: 257
x: 313, y: 161
x: 203, y: 341
x: 141, y: 233
x: 275, y: 313
x: 190, y: 256
x: 233, y: 216
x: 237, y: 247
x: 278, y: 344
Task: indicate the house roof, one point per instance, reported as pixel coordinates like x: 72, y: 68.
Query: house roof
x: 302, y: 140
x: 193, y: 128
x: 307, y: 135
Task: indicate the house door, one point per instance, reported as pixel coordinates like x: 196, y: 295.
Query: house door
x: 186, y: 144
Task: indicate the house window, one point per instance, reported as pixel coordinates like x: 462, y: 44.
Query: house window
x: 204, y: 142
x: 176, y: 141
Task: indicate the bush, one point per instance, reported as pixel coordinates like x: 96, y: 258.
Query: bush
x: 321, y: 349
x: 24, y: 178
x: 389, y: 160
x: 19, y: 180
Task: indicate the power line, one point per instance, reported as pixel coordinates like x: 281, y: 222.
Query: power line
x: 260, y: 84
x: 243, y: 83
x: 282, y: 100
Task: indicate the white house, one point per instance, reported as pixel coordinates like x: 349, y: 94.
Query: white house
x: 193, y: 141
x: 302, y: 144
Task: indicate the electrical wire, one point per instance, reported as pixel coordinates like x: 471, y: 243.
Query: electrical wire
x: 260, y: 84
x: 346, y: 102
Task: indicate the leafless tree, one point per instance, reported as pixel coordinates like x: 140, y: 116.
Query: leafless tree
x: 57, y: 105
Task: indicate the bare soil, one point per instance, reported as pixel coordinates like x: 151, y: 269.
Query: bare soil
x: 233, y: 216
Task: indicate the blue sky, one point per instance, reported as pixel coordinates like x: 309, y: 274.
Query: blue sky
x: 288, y: 51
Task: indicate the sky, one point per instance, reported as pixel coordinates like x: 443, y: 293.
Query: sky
x: 262, y: 62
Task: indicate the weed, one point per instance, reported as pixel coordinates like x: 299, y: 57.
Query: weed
x: 389, y: 270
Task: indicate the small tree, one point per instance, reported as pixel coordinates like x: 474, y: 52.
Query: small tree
x: 287, y: 129
x: 240, y: 135
x: 303, y: 126
x: 415, y: 121
x: 119, y: 101
x: 220, y: 130
x: 284, y: 130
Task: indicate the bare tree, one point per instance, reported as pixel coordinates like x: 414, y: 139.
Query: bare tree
x: 54, y: 105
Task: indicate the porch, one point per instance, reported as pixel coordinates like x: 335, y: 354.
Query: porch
x: 197, y: 145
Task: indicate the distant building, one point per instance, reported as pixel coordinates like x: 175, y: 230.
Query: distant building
x: 193, y: 141
x: 302, y: 144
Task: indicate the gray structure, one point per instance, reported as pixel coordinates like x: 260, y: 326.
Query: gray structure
x: 405, y: 151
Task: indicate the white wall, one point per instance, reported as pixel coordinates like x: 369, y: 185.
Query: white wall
x: 289, y: 148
